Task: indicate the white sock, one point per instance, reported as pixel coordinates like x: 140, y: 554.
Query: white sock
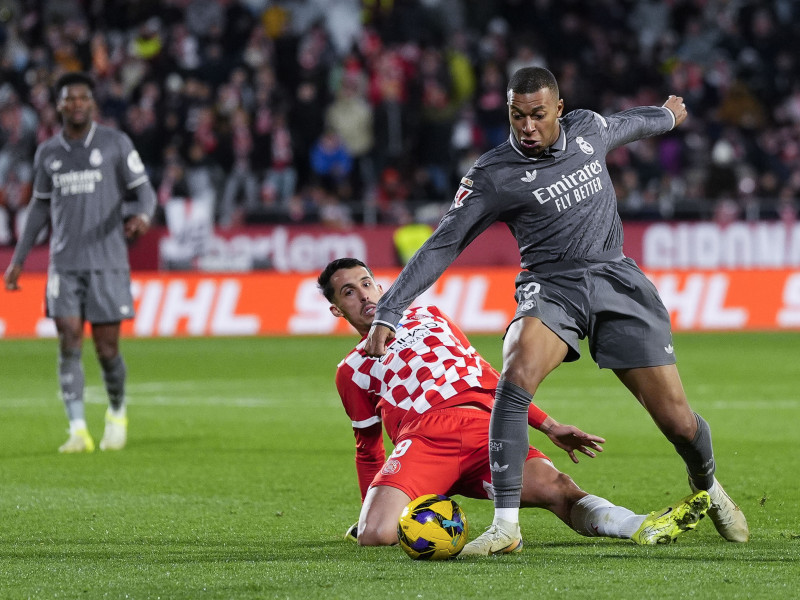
x: 507, y: 514
x: 117, y: 413
x: 594, y: 516
x: 77, y: 425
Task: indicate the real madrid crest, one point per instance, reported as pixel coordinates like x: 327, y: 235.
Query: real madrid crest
x: 585, y: 146
x: 95, y: 158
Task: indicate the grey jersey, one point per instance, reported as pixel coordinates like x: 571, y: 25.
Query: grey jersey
x: 559, y: 207
x: 84, y: 183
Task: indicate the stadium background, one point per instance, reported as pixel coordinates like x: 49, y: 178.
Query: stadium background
x: 280, y: 135
x: 238, y: 481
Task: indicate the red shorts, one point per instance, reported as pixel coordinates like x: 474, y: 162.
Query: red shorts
x: 443, y: 452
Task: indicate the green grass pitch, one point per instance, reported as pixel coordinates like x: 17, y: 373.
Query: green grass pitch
x: 238, y: 481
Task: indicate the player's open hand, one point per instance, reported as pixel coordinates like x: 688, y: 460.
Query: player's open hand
x: 377, y: 339
x: 136, y: 226
x: 571, y: 439
x: 11, y: 277
x: 678, y: 108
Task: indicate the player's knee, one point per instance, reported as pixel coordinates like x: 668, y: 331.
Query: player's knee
x: 378, y: 534
x: 679, y: 428
x: 566, y: 487
x: 551, y: 492
x: 106, y: 350
x: 70, y: 339
x: 526, y: 376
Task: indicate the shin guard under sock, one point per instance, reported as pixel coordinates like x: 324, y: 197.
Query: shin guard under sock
x: 508, y: 442
x: 71, y: 381
x: 699, y: 456
x: 114, y: 372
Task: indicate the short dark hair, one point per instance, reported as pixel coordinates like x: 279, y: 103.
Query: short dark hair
x: 528, y: 80
x: 324, y: 279
x: 73, y: 79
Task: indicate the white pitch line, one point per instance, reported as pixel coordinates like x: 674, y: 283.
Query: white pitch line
x: 207, y: 401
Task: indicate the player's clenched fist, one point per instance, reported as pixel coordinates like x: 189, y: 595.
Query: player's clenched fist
x: 678, y: 108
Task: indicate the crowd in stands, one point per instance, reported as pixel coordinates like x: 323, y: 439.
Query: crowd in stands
x: 348, y: 111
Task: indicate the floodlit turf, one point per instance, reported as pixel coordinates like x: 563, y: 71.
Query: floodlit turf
x: 238, y: 481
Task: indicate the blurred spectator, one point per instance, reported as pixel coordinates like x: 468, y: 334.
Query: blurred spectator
x: 392, y: 112
x: 332, y: 211
x: 240, y: 194
x: 526, y: 55
x: 280, y: 178
x: 18, y: 129
x: 437, y: 117
x: 468, y: 140
x: 459, y: 59
x: 205, y: 18
x: 173, y: 182
x: 307, y: 120
x: 408, y: 238
x: 201, y: 174
x: 391, y: 198
x: 350, y: 116
x: 491, y: 110
x: 147, y: 44
x: 331, y: 163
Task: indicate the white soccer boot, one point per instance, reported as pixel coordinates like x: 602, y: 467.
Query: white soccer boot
x: 115, y: 435
x: 726, y: 515
x: 79, y: 441
x: 501, y: 537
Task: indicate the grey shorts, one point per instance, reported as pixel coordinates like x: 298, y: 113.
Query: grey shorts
x: 612, y: 303
x: 96, y: 296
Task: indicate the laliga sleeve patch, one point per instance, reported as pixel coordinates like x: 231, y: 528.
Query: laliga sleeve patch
x: 461, y: 194
x: 135, y: 162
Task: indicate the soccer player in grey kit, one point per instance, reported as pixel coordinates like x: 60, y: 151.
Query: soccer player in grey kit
x: 81, y: 178
x: 549, y: 183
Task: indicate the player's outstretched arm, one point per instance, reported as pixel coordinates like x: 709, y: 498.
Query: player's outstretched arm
x: 11, y: 276
x: 377, y: 339
x: 571, y: 439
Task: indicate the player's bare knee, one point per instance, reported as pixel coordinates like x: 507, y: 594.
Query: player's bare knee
x: 526, y: 376
x: 678, y: 428
x: 106, y: 353
x: 551, y: 490
x: 377, y: 535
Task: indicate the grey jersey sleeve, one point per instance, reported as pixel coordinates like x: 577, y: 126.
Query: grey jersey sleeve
x: 133, y: 172
x: 42, y: 183
x: 37, y: 217
x: 634, y: 124
x: 136, y: 180
x: 145, y: 203
x: 469, y: 215
x: 38, y: 210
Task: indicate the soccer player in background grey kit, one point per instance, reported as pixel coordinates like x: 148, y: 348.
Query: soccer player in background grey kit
x: 549, y: 183
x: 81, y: 178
